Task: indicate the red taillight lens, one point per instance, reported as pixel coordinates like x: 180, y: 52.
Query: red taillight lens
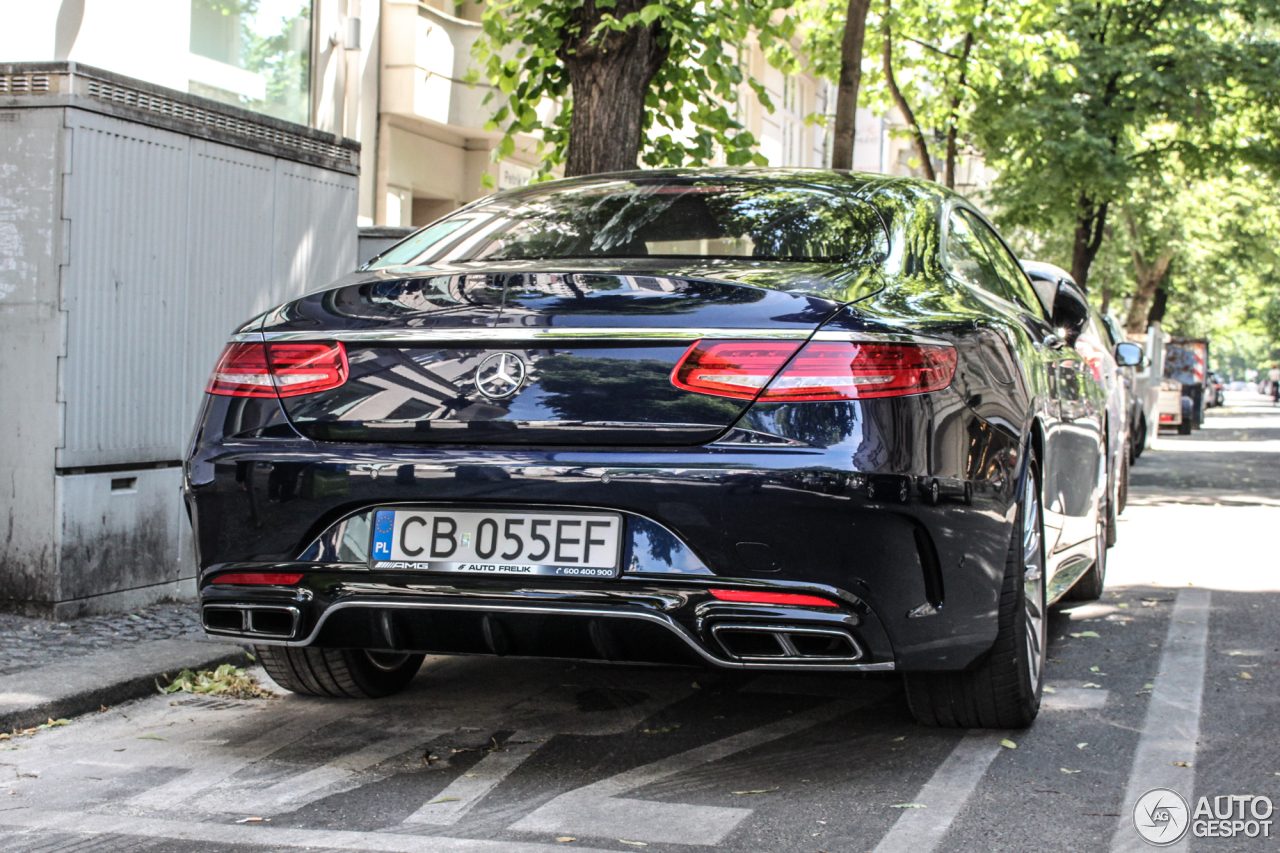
x: 257, y: 578
x: 822, y: 370
x: 859, y: 371
x: 731, y: 368
x: 788, y: 598
x: 290, y: 369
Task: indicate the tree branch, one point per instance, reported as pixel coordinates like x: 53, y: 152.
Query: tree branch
x: 922, y: 147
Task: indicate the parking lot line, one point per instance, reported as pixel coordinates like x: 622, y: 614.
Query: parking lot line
x: 919, y: 830
x: 1172, y: 726
x: 466, y: 791
x: 301, y: 788
x: 597, y: 809
x: 210, y: 767
x: 273, y: 837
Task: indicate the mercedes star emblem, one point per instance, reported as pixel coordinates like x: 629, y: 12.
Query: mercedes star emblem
x: 500, y: 375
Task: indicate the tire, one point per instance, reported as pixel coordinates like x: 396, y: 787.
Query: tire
x: 1122, y: 493
x: 1136, y: 447
x: 1003, y: 690
x: 1089, y: 586
x: 1184, y: 428
x: 339, y: 673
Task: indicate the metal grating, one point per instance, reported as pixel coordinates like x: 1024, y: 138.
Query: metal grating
x: 14, y: 84
x: 228, y: 124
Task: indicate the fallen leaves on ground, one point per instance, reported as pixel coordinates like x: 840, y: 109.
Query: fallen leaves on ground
x: 1008, y: 744
x: 151, y: 737
x: 1065, y: 770
x: 445, y: 800
x: 49, y: 724
x: 1082, y: 744
x: 1049, y: 690
x: 662, y: 731
x: 253, y: 819
x: 1091, y: 684
x: 759, y: 791
x: 633, y: 843
x: 1182, y: 764
x: 1246, y: 675
x: 908, y: 806
x: 1085, y: 634
x: 227, y: 680
x: 562, y: 839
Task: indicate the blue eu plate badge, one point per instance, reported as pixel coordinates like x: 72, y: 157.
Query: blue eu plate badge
x: 383, y: 529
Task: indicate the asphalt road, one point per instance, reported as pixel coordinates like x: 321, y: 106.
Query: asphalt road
x: 1170, y: 680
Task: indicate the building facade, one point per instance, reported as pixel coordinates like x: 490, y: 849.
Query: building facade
x: 388, y: 73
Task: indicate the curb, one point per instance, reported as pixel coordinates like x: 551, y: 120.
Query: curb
x: 79, y: 685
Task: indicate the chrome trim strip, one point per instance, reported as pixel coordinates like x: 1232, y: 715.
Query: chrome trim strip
x: 665, y: 621
x: 877, y: 337
x: 526, y: 333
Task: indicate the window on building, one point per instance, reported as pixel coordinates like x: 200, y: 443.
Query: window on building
x: 254, y: 54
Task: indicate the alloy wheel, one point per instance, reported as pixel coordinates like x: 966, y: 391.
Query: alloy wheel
x: 1033, y: 582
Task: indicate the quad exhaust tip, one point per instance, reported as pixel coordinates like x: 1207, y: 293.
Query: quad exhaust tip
x: 251, y: 620
x: 764, y: 643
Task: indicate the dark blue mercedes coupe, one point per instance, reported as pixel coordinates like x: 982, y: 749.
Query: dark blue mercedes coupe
x: 748, y: 419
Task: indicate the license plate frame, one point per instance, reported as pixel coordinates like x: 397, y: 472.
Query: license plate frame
x: 431, y: 541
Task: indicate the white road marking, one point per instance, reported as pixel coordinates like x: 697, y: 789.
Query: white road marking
x: 943, y: 796
x: 267, y: 835
x: 597, y: 809
x: 299, y: 789
x: 465, y: 792
x: 1074, y: 699
x: 1172, y: 726
x: 218, y: 765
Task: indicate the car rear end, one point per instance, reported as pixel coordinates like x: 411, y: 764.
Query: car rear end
x: 674, y: 462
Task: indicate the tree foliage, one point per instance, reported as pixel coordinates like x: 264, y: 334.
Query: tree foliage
x: 1154, y: 85
x: 687, y: 111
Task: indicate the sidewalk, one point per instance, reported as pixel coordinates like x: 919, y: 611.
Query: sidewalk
x: 60, y: 669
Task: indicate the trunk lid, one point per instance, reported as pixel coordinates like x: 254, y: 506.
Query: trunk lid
x: 524, y: 354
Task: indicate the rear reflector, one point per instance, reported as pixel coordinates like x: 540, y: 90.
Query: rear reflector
x: 790, y: 598
x: 265, y: 370
x: 820, y: 371
x: 255, y: 578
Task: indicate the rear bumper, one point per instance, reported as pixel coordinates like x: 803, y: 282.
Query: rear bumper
x: 914, y: 544
x: 645, y: 622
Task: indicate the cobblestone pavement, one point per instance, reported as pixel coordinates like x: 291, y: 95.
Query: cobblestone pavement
x: 27, y: 643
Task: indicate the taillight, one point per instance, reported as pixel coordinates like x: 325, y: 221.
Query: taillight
x: 731, y: 368
x: 822, y: 370
x: 784, y: 598
x: 286, y: 369
x: 259, y: 578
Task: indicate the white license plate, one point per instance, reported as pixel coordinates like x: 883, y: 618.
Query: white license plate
x: 562, y: 544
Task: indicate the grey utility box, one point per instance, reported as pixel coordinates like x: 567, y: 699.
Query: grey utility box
x: 138, y: 227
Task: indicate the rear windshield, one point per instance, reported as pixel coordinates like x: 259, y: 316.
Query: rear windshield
x: 635, y: 219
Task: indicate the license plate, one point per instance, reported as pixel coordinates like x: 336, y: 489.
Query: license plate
x: 561, y: 544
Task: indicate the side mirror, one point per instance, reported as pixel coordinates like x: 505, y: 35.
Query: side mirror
x: 1129, y: 354
x: 1070, y: 311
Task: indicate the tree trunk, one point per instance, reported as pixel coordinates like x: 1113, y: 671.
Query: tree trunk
x: 922, y: 147
x: 844, y: 132
x: 609, y: 76
x: 1090, y: 222
x: 1150, y: 277
x: 949, y: 169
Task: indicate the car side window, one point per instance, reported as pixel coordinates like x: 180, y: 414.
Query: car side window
x: 1015, y: 280
x: 968, y: 260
